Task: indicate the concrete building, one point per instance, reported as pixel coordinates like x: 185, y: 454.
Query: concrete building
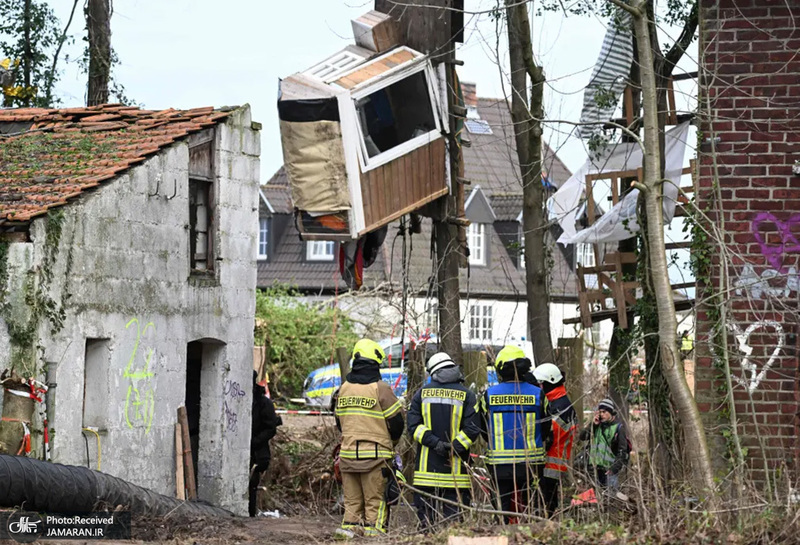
x: 749, y: 73
x: 493, y: 306
x: 129, y: 269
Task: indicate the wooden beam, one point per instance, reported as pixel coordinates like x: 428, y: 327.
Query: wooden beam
x: 180, y: 483
x: 188, y: 463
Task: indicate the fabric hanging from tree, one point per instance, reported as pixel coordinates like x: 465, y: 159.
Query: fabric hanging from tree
x: 620, y: 222
x: 609, y: 77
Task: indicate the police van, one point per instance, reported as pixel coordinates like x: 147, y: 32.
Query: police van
x: 321, y: 383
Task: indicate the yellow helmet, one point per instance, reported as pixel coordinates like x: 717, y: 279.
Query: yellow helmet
x: 508, y: 354
x: 370, y: 350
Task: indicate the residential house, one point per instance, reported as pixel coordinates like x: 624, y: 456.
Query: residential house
x: 493, y: 303
x: 128, y: 278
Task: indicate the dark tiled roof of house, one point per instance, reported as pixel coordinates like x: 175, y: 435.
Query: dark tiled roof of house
x: 491, y: 159
x: 288, y: 266
x: 276, y: 191
x: 506, y: 207
x: 50, y: 156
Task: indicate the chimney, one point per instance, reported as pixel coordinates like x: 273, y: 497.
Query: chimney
x: 469, y: 90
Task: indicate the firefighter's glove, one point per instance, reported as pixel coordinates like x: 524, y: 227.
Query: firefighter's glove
x: 443, y: 449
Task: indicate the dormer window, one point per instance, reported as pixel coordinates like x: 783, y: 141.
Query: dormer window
x: 319, y: 250
x: 476, y: 239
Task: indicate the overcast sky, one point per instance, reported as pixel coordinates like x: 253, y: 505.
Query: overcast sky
x: 191, y: 53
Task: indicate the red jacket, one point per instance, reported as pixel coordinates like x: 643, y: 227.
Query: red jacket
x: 564, y: 425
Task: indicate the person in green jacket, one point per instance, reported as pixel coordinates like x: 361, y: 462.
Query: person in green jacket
x: 608, y: 444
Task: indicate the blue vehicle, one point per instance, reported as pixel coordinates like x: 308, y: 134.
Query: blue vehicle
x: 321, y: 383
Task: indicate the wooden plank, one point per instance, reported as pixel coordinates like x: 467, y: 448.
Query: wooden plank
x: 408, y: 209
x: 180, y: 483
x: 366, y: 196
x: 397, y: 189
x: 191, y: 487
x: 627, y: 105
x: 673, y: 114
x: 437, y: 156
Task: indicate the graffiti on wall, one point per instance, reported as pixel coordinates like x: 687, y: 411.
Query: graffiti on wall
x: 770, y: 283
x: 140, y: 398
x: 776, y: 252
x: 232, y: 392
x: 751, y: 376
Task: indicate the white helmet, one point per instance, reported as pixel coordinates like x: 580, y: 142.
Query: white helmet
x: 440, y: 360
x: 547, y: 372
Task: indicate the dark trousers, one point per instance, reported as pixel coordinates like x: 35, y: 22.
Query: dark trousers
x: 255, y: 479
x: 431, y: 511
x: 550, y: 494
x: 516, y: 488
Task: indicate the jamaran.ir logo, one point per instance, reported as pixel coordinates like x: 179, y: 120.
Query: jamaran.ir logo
x: 24, y: 526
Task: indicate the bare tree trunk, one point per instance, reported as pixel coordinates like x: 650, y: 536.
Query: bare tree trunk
x: 692, y: 426
x: 98, y: 25
x: 527, y: 118
x: 27, y: 60
x: 448, y: 250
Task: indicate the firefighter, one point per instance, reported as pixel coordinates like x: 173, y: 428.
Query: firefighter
x: 370, y: 418
x: 564, y: 424
x: 443, y: 419
x: 512, y: 424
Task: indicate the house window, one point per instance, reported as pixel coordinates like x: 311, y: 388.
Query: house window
x: 476, y: 239
x: 480, y: 322
x: 201, y: 222
x: 585, y: 257
x: 396, y: 119
x: 263, y: 238
x: 319, y: 250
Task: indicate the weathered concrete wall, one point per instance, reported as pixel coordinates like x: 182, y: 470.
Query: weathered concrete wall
x: 750, y: 57
x: 121, y: 271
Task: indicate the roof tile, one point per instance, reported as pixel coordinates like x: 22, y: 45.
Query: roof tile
x: 69, y: 150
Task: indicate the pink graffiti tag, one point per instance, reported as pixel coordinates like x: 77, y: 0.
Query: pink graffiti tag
x: 789, y: 243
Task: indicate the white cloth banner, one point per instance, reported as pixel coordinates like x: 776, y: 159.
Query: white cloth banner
x: 620, y: 222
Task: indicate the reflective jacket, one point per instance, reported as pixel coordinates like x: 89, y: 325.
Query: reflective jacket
x: 367, y: 412
x: 608, y: 448
x: 443, y: 411
x: 563, y: 425
x: 513, y: 423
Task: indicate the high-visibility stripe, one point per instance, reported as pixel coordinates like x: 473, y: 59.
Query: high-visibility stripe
x: 380, y: 524
x: 530, y: 430
x: 555, y: 460
x: 514, y: 456
x: 464, y: 440
x: 498, y: 432
x: 551, y: 473
x: 425, y: 451
x: 393, y: 410
x: 362, y: 455
x: 353, y: 411
x: 419, y: 433
x: 441, y: 480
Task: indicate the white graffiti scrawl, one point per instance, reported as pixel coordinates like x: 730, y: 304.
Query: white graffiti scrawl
x: 756, y: 377
x: 771, y: 283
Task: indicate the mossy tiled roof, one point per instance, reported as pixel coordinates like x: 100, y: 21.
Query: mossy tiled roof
x: 48, y: 156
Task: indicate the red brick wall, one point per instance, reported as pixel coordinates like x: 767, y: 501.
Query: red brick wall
x: 749, y: 51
